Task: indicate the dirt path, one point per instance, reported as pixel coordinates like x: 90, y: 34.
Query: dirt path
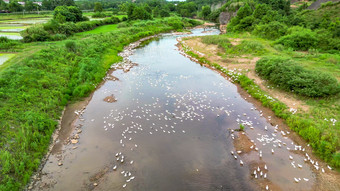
x: 245, y: 63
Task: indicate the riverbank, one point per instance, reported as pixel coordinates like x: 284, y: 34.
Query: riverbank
x: 35, y: 90
x: 241, y: 70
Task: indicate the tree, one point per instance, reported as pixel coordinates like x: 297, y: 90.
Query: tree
x: 29, y: 6
x: 71, y: 13
x: 98, y: 7
x: 52, y: 4
x: 14, y: 7
x: 140, y: 13
x: 164, y: 13
x: 206, y: 11
x: 3, y: 5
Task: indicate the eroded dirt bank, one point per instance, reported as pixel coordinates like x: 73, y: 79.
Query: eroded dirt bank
x: 325, y: 179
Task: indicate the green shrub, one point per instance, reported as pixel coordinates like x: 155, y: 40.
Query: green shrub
x: 299, y: 39
x: 292, y: 77
x: 35, y: 33
x: 99, y: 15
x: 7, y: 44
x: 272, y: 30
x: 71, y: 46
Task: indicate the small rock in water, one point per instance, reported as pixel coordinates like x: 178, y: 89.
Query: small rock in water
x: 95, y: 184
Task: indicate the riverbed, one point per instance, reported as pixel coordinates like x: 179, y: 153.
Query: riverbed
x: 160, y: 121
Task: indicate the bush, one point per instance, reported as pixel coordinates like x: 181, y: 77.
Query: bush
x: 272, y: 30
x: 292, y: 77
x: 35, y: 33
x: 299, y: 39
x: 99, y: 15
x: 68, y: 13
x: 7, y: 44
x: 71, y: 46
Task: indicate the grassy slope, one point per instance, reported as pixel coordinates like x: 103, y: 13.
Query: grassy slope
x: 320, y: 109
x: 34, y: 90
x: 328, y: 12
x: 98, y: 30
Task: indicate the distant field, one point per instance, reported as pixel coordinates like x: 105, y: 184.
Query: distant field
x: 26, y: 16
x: 101, y: 29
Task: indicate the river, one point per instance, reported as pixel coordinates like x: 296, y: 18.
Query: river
x: 167, y: 124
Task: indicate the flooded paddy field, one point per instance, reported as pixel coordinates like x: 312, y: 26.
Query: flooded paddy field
x: 160, y: 121
x: 12, y: 28
x: 4, y: 57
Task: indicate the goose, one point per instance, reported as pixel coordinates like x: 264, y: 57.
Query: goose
x: 296, y: 180
x: 255, y: 175
x: 272, y: 151
x: 241, y: 162
x: 258, y: 169
x: 124, y: 185
x: 306, y: 179
x: 265, y: 167
x: 299, y: 165
x: 232, y: 152
x: 290, y: 157
x: 323, y: 170
x: 265, y: 175
x: 329, y: 167
x: 115, y: 167
x: 267, y: 188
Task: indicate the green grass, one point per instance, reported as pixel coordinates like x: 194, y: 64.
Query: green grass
x: 35, y: 88
x: 10, y: 33
x: 10, y: 17
x: 101, y: 29
x: 322, y: 135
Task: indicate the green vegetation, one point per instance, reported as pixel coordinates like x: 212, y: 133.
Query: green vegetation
x: 221, y: 41
x: 289, y: 76
x: 7, y: 44
x: 322, y: 135
x: 247, y: 47
x: 301, y: 56
x: 54, y: 30
x: 241, y: 127
x: 101, y: 29
x: 34, y: 91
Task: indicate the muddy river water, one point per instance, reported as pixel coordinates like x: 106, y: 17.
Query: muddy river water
x: 167, y: 125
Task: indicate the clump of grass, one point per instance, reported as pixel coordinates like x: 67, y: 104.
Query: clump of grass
x: 247, y: 47
x: 220, y: 40
x: 241, y: 127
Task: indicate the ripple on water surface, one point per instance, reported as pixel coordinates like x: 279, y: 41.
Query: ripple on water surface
x: 171, y: 128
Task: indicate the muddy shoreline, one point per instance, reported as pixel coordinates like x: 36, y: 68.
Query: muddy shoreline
x: 73, y: 111
x: 69, y: 117
x: 324, y: 181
